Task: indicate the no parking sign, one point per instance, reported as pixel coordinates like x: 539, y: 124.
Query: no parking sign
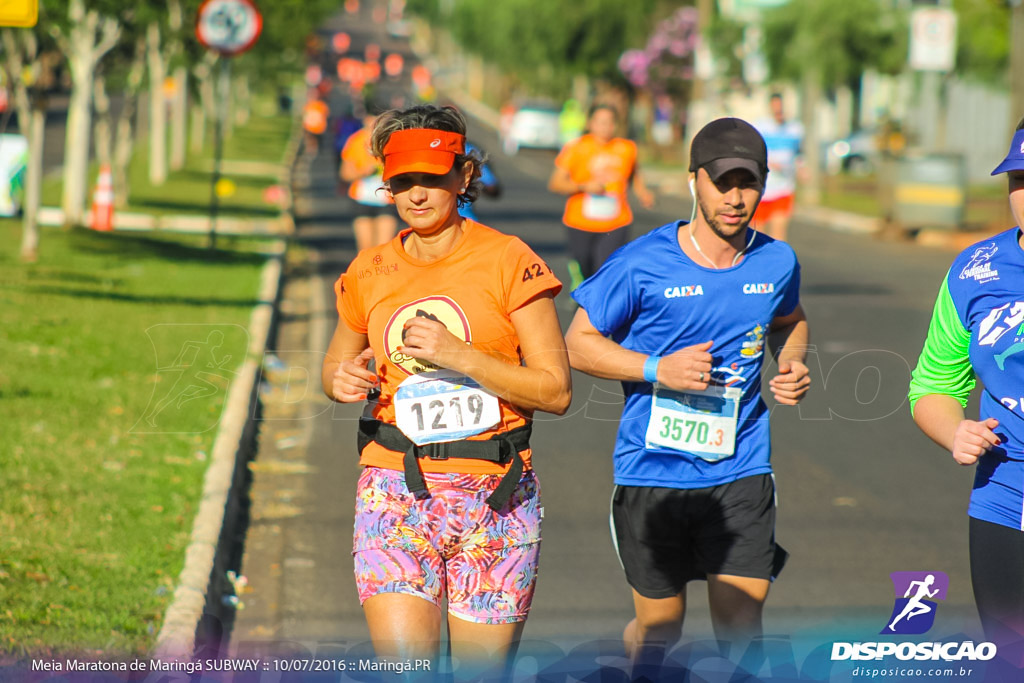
x: 932, y: 39
x: 229, y: 27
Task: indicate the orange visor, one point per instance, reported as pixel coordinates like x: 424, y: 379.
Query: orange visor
x: 421, y: 150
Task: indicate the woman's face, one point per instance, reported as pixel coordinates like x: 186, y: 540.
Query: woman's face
x: 427, y: 202
x: 602, y: 124
x: 1015, y: 180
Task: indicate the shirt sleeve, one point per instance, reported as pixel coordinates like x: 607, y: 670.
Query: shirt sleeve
x: 944, y: 366
x: 609, y: 297
x: 565, y: 156
x: 355, y: 150
x: 791, y: 296
x: 525, y: 275
x: 349, y: 302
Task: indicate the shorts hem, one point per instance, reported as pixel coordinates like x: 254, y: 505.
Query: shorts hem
x: 400, y: 590
x: 651, y: 594
x: 744, y: 574
x: 506, y: 619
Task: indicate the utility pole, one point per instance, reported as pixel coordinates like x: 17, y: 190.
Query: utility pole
x: 699, y: 107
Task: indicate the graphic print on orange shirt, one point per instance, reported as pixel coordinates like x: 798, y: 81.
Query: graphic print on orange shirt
x: 439, y: 308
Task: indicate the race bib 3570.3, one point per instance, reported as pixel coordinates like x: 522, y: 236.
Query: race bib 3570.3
x: 698, y: 422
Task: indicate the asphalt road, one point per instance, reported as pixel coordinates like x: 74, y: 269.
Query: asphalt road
x: 861, y: 492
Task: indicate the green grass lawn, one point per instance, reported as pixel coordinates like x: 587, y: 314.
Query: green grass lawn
x: 120, y: 350
x: 105, y: 445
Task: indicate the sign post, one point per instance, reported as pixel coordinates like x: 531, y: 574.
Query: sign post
x: 228, y: 27
x: 933, y: 52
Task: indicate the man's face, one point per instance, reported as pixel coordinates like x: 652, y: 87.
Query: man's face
x: 602, y: 124
x: 775, y: 104
x: 727, y: 204
x: 1015, y: 180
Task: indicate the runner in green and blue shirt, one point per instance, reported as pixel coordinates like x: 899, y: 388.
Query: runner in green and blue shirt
x: 977, y: 332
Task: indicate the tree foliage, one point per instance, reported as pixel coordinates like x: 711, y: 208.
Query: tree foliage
x: 841, y: 38
x: 983, y: 39
x: 545, y: 42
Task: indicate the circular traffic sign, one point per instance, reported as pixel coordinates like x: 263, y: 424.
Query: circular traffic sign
x: 228, y: 26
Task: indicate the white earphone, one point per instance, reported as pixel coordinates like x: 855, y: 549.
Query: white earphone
x: 693, y: 193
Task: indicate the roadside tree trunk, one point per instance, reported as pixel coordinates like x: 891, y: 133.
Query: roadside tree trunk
x: 124, y: 143
x: 103, y: 135
x: 22, y: 66
x: 88, y: 38
x: 179, y: 119
x: 157, y: 107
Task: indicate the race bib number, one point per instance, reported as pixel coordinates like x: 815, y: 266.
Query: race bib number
x: 369, y: 191
x: 600, y: 207
x: 440, y: 405
x: 698, y: 422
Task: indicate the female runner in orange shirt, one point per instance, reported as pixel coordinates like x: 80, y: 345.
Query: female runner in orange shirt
x: 461, y: 322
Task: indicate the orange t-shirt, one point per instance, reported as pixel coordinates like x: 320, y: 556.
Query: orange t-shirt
x: 587, y: 159
x: 366, y: 190
x: 314, y: 117
x: 473, y: 290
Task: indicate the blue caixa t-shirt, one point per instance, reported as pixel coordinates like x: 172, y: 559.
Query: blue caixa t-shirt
x: 650, y: 297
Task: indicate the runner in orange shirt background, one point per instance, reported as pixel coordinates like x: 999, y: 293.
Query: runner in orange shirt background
x: 460, y: 320
x: 314, y: 121
x: 596, y: 170
x: 375, y: 222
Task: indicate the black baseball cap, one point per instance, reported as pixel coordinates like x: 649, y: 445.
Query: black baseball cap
x: 725, y: 144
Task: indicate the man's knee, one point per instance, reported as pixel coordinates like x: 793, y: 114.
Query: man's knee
x: 652, y: 628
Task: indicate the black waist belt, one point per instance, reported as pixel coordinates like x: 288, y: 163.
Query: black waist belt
x: 500, y: 449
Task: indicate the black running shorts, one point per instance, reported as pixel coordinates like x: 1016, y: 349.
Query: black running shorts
x: 666, y: 537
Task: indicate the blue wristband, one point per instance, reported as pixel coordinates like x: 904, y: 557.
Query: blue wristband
x: 651, y: 368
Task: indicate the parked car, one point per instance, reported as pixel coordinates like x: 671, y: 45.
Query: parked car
x: 857, y: 153
x: 534, y: 125
x: 13, y: 161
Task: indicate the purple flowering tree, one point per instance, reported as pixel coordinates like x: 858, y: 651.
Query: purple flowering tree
x: 665, y: 64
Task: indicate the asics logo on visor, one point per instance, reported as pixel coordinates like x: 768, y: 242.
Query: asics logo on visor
x: 436, y: 142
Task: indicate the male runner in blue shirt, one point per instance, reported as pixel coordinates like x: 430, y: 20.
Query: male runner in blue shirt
x: 680, y: 316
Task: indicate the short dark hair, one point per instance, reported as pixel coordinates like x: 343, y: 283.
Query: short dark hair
x: 432, y: 117
x: 598, y: 106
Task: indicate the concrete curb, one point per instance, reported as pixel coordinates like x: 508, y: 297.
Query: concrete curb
x: 201, y: 583
x: 840, y: 221
x: 127, y: 221
x: 177, y: 637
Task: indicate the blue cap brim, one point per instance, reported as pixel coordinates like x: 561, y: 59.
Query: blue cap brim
x: 1009, y: 165
x: 1014, y: 160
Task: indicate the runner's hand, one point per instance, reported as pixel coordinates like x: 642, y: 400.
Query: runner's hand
x: 792, y: 382
x: 973, y: 439
x: 429, y: 340
x: 646, y: 199
x: 688, y: 368
x: 352, y: 380
x: 592, y: 187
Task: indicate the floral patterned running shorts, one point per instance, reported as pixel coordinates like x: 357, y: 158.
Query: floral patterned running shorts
x: 450, y: 543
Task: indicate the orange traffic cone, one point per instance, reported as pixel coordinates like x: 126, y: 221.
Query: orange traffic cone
x: 103, y: 201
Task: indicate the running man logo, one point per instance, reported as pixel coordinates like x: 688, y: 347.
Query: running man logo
x: 195, y: 365
x: 978, y: 267
x: 914, y: 612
